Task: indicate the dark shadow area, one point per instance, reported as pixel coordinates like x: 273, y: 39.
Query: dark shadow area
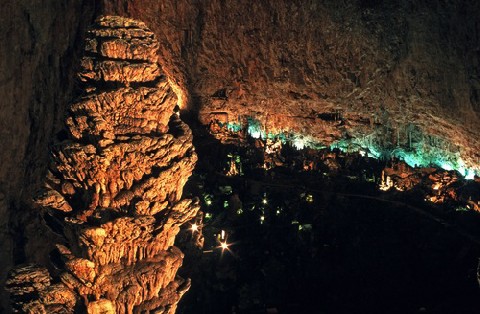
x: 317, y: 242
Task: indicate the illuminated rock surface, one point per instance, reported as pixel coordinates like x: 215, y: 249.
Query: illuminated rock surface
x: 392, y: 77
x: 383, y: 77
x: 114, y: 187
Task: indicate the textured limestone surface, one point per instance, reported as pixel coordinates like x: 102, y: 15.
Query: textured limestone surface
x: 388, y: 67
x: 38, y: 44
x: 114, y: 186
x: 402, y: 73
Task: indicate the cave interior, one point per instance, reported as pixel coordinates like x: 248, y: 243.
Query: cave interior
x: 240, y: 156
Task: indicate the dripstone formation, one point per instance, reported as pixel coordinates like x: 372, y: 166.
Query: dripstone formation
x: 114, y: 186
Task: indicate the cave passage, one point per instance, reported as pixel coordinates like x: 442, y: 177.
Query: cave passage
x: 313, y: 235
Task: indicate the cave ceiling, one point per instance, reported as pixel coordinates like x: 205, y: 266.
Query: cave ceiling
x: 401, y: 76
x: 384, y: 78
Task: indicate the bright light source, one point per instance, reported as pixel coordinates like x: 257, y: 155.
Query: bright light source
x: 208, y: 202
x: 223, y: 235
x: 194, y: 227
x: 224, y: 246
x: 265, y: 201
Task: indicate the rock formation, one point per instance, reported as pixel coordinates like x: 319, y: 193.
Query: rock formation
x: 39, y: 47
x: 396, y: 71
x: 399, y: 74
x: 114, y: 186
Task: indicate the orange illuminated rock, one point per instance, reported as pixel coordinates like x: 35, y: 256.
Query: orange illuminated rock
x: 114, y: 187
x: 102, y: 306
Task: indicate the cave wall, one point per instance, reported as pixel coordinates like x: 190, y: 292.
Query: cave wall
x: 38, y: 45
x: 113, y: 190
x: 285, y: 60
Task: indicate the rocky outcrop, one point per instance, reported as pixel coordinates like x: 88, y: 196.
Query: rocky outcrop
x: 398, y: 74
x: 114, y: 186
x: 394, y: 71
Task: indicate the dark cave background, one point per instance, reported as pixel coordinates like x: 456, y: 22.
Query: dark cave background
x: 327, y: 243
x: 424, y: 55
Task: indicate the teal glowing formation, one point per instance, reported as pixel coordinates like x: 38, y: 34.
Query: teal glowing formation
x: 415, y: 148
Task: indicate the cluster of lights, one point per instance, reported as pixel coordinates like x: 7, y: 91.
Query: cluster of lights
x: 222, y: 237
x: 223, y: 244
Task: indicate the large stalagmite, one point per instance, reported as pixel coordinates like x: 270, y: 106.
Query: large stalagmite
x: 114, y: 187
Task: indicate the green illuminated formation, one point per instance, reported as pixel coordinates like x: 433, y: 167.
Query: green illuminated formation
x: 421, y: 156
x: 412, y: 145
x: 255, y: 130
x: 419, y: 150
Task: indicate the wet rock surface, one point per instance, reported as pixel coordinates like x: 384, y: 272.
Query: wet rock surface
x: 114, y: 186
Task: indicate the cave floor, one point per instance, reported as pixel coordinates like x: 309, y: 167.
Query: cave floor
x: 320, y: 242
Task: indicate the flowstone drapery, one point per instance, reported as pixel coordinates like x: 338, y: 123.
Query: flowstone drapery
x: 114, y: 186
